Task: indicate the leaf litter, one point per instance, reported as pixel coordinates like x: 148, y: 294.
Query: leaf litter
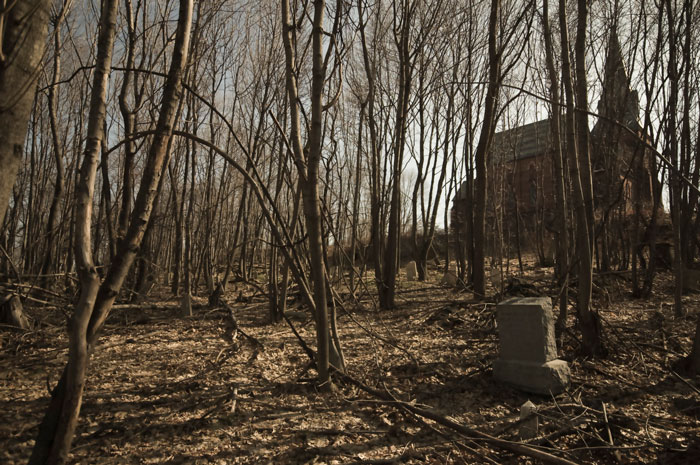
x: 166, y: 389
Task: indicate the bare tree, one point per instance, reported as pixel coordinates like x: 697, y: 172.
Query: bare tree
x: 307, y: 160
x: 672, y: 144
x: 580, y: 174
x: 562, y: 235
x: 487, y: 130
x: 96, y: 299
x: 369, y: 58
x: 59, y: 186
x: 23, y: 27
x: 430, y: 174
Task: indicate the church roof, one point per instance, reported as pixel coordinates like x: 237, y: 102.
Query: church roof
x: 521, y: 142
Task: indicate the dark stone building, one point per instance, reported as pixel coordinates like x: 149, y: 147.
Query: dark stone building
x: 521, y: 188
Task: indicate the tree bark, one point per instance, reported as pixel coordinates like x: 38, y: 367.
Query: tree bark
x: 590, y: 327
x: 308, y: 166
x: 487, y: 130
x: 129, y: 119
x: 58, y: 427
x: 52, y: 223
x: 581, y: 117
x: 562, y: 235
x: 54, y: 441
x: 23, y: 36
x: 387, y: 291
x: 675, y: 176
x: 376, y: 229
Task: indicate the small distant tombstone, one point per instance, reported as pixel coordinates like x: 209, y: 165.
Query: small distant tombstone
x: 449, y: 279
x: 411, y: 271
x: 528, y: 352
x: 529, y: 420
x: 495, y: 277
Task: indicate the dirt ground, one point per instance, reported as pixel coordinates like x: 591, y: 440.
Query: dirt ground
x: 166, y: 389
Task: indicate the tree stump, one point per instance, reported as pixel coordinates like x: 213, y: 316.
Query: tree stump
x: 12, y: 313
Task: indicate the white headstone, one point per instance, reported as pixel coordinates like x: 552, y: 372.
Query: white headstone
x: 411, y: 271
x: 529, y: 426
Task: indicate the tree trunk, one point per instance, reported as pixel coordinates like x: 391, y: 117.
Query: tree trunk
x: 282, y: 306
x: 691, y: 197
x: 57, y: 428
x: 54, y: 441
x: 590, y: 326
x: 581, y: 117
x: 23, y: 35
x: 129, y: 120
x: 52, y: 223
x: 308, y: 166
x: 12, y: 313
x: 487, y: 130
x: 356, y: 202
x: 186, y: 309
x: 387, y: 291
x: 107, y: 196
x: 562, y: 236
x: 675, y: 177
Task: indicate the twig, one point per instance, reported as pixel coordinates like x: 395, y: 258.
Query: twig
x: 309, y: 352
x: 590, y: 448
x: 234, y: 400
x: 15, y: 328
x: 563, y: 431
x: 339, y: 432
x: 32, y: 288
x: 518, y: 448
x: 154, y: 306
x: 474, y: 451
x: 387, y: 461
x: 607, y: 425
x: 372, y: 332
x: 12, y: 264
x: 687, y: 383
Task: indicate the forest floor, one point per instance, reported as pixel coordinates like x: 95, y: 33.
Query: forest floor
x: 167, y: 389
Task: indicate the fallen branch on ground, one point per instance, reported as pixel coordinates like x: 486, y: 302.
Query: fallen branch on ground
x: 515, y: 447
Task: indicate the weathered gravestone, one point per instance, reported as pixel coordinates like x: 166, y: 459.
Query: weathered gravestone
x: 449, y: 279
x: 529, y: 422
x: 411, y: 271
x: 528, y: 352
